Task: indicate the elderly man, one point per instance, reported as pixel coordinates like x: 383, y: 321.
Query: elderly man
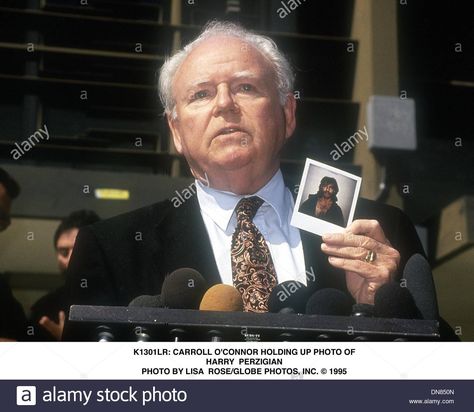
x: 228, y: 98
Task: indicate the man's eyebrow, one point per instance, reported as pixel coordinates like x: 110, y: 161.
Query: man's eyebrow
x: 245, y: 75
x: 236, y: 76
x: 197, y: 83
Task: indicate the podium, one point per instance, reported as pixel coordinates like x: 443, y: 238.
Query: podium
x: 119, y: 323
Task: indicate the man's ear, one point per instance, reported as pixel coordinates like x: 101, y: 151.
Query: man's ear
x: 290, y: 115
x: 173, y: 125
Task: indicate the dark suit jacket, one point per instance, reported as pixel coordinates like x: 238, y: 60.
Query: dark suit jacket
x: 117, y: 259
x: 333, y: 215
x: 13, y: 324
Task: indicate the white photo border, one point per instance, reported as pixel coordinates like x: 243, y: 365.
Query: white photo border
x: 314, y: 224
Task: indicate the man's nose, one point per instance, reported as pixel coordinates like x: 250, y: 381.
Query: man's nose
x: 224, y: 100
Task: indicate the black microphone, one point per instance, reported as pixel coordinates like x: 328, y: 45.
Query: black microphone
x: 288, y: 297
x: 329, y: 301
x: 147, y: 301
x: 144, y: 301
x: 183, y: 289
x: 393, y: 301
x: 419, y: 281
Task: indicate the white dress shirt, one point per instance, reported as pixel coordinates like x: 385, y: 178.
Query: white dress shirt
x: 272, y: 219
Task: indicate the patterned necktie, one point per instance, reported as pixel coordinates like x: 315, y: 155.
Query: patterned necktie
x: 253, y: 272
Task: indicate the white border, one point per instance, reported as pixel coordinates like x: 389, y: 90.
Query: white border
x: 313, y: 224
x: 116, y: 360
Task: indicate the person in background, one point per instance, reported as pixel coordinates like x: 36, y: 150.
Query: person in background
x: 9, y: 190
x: 12, y: 316
x: 48, y: 313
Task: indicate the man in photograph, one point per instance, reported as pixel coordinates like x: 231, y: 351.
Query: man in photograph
x: 228, y: 98
x: 323, y: 204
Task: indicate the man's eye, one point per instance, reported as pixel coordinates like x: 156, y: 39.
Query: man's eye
x: 63, y: 251
x: 246, y: 87
x: 201, y: 94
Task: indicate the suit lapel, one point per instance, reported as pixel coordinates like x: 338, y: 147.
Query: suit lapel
x: 311, y: 246
x: 184, y: 242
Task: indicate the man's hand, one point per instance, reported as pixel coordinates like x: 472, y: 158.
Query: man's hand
x: 56, y: 329
x: 349, y: 251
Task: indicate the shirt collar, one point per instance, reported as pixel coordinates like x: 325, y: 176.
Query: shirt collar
x: 219, y: 205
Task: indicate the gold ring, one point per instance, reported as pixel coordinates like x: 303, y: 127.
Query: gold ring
x: 371, y: 256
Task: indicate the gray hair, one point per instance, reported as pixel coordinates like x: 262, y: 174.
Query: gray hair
x: 283, y: 72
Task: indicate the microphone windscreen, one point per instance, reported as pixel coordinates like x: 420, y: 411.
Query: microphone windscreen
x: 329, y: 301
x: 420, y: 283
x: 183, y: 289
x: 222, y: 297
x: 146, y: 301
x: 393, y: 301
x: 288, y: 295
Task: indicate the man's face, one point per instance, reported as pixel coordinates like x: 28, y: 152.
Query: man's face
x: 64, y: 247
x: 229, y: 116
x: 5, y: 206
x: 329, y: 190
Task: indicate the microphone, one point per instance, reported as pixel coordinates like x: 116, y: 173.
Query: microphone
x: 144, y: 301
x: 329, y: 301
x: 222, y: 297
x: 393, y: 301
x: 183, y: 289
x: 419, y: 281
x: 288, y: 297
x: 147, y: 301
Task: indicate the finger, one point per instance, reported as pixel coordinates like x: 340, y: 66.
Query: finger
x: 350, y: 239
x: 382, y: 261
x: 48, y: 324
x: 62, y: 318
x: 344, y: 251
x: 383, y: 252
x: 370, y: 228
x: 374, y: 273
x: 364, y: 242
x: 51, y: 327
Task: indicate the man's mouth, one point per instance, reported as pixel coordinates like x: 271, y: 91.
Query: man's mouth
x: 229, y: 130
